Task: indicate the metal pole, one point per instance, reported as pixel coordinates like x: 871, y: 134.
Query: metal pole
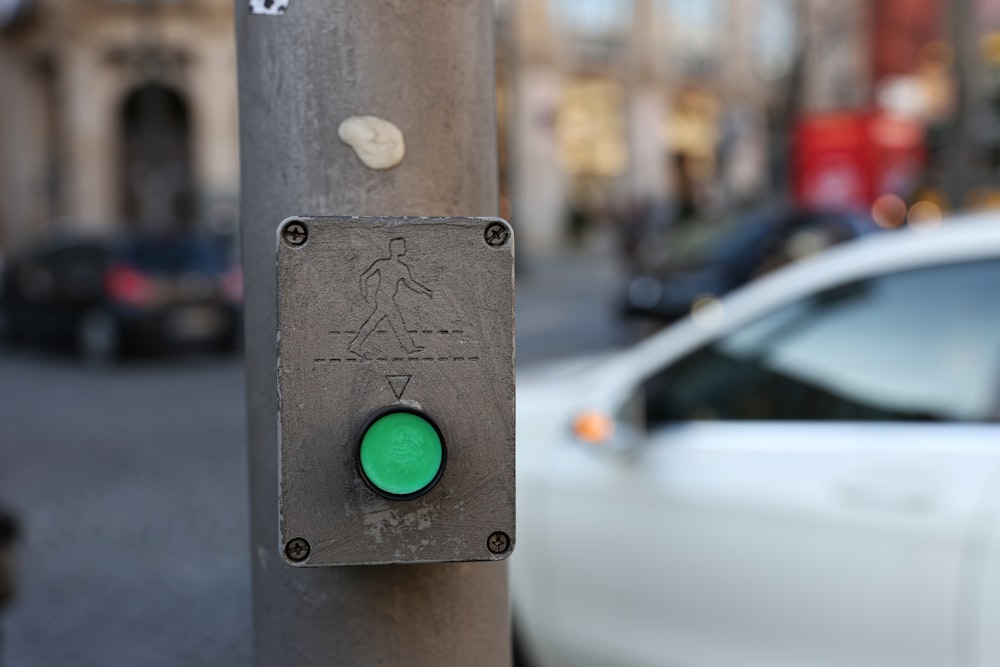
x: 960, y: 152
x: 428, y: 68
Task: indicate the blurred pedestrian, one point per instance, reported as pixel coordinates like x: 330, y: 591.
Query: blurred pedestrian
x: 627, y: 218
x: 577, y: 222
x: 8, y: 542
x: 642, y: 226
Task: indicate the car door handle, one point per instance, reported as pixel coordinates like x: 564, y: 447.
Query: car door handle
x: 888, y: 494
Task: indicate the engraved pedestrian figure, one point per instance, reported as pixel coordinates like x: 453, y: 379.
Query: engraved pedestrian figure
x: 389, y: 273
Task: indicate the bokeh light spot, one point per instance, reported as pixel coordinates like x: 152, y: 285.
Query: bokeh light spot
x: 889, y: 211
x: 707, y: 312
x: 924, y: 216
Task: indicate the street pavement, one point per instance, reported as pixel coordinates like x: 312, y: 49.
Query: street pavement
x: 567, y: 304
x: 131, y: 485
x: 132, y: 489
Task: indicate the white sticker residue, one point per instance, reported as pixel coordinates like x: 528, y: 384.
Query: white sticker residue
x: 269, y: 7
x: 377, y: 142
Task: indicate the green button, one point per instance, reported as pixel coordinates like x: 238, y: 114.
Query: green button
x: 401, y: 454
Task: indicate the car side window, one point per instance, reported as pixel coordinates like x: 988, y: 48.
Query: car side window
x: 78, y: 270
x: 913, y: 346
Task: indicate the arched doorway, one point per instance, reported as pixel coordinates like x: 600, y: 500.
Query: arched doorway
x: 157, y: 184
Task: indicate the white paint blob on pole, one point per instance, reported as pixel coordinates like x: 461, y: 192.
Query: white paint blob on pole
x: 378, y: 143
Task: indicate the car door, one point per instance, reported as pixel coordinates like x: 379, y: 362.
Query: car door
x: 982, y: 600
x: 806, y: 489
x: 33, y: 294
x: 55, y: 285
x: 78, y: 280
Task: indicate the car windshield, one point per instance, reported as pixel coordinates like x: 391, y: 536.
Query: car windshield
x: 176, y: 255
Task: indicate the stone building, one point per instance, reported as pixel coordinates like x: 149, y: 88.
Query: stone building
x: 617, y: 101
x: 116, y: 113
x: 122, y: 113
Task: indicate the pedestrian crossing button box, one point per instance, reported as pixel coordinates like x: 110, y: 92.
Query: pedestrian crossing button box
x: 395, y: 390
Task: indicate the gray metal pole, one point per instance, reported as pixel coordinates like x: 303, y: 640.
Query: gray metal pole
x: 960, y: 156
x: 427, y: 67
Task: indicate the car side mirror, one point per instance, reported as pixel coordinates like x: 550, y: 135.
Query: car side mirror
x: 621, y: 434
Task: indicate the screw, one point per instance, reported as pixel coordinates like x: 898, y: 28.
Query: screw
x: 496, y: 234
x: 297, y: 550
x: 294, y: 233
x: 498, y: 543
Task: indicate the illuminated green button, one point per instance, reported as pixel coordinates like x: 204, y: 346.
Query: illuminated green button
x: 401, y: 454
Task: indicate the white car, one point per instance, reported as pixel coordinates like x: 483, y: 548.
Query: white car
x: 806, y: 473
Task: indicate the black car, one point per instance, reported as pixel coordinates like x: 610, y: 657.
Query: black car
x: 104, y: 297
x: 710, y: 260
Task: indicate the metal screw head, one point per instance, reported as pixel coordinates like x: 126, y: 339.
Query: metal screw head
x: 496, y: 234
x: 297, y: 550
x: 498, y: 543
x: 294, y: 233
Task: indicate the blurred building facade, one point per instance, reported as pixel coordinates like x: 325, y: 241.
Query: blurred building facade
x: 618, y: 102
x: 125, y: 110
x: 116, y: 113
x: 119, y: 113
x: 697, y: 102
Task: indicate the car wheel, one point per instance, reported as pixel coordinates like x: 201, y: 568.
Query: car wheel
x: 97, y: 338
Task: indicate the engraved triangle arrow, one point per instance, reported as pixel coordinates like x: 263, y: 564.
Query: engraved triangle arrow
x: 398, y: 383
